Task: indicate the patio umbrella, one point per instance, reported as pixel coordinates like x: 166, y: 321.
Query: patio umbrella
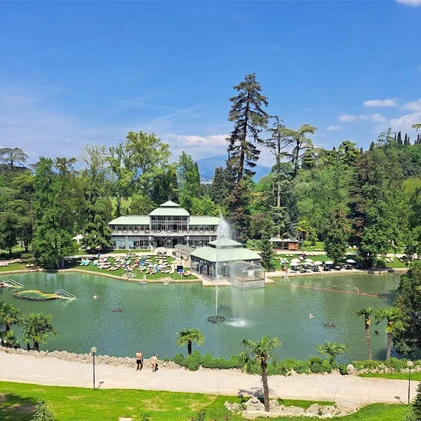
x: 317, y: 263
x: 351, y: 261
x: 295, y: 260
x: 328, y: 262
x: 293, y: 264
x: 309, y: 260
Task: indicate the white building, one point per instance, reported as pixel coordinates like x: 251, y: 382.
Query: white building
x: 165, y: 226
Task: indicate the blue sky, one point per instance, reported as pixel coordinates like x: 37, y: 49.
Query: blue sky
x: 76, y: 73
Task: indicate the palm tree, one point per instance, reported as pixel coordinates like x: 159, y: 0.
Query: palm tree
x: 188, y: 336
x: 10, y: 315
x: 36, y: 328
x: 394, y: 323
x: 366, y: 314
x: 331, y: 350
x: 260, y: 351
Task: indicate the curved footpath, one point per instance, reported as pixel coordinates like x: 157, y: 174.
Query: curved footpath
x: 349, y: 392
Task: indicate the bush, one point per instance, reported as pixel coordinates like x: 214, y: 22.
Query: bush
x: 343, y: 369
x: 179, y: 359
x: 192, y: 361
x: 366, y: 365
x: 316, y: 365
x: 284, y: 367
x: 327, y: 367
x: 395, y: 364
x: 301, y: 367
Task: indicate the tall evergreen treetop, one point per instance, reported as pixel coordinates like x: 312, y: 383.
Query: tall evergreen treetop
x: 249, y: 119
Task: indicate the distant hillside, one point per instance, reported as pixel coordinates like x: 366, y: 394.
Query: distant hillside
x: 207, y: 168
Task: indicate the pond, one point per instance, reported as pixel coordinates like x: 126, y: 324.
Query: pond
x: 295, y: 310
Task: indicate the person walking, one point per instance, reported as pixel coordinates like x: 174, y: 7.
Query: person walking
x: 139, y: 360
x: 154, y: 362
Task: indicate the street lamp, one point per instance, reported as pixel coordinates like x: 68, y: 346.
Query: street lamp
x: 93, y: 352
x: 409, y: 364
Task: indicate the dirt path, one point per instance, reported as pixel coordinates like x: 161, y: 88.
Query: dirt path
x: 346, y: 391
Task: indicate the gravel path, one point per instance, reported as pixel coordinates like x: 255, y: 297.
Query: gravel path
x: 347, y: 391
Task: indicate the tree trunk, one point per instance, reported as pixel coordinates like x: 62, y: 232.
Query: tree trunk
x: 368, y: 340
x: 10, y: 253
x: 36, y: 346
x: 264, y: 366
x: 189, y: 347
x: 28, y: 347
x: 388, y: 345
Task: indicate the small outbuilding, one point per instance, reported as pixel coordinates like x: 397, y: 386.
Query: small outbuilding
x: 285, y: 243
x: 219, y: 259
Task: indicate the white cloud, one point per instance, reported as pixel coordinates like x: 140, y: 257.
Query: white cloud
x: 413, y: 106
x: 333, y: 128
x: 347, y: 118
x: 413, y: 3
x: 377, y: 118
x: 405, y: 122
x: 380, y: 103
x: 350, y: 118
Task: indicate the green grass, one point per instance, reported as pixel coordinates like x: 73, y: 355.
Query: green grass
x: 33, y: 294
x: 395, y: 376
x: 18, y: 401
x: 136, y: 274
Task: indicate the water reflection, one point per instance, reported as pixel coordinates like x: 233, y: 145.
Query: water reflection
x: 152, y: 314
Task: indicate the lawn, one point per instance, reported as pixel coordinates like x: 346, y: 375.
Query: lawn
x: 18, y: 401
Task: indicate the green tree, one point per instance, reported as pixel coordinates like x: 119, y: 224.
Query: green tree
x: 42, y: 412
x: 188, y: 336
x: 266, y: 251
x: 378, y: 209
x: 300, y: 144
x: 366, y: 314
x: 220, y: 186
x: 304, y: 228
x: 10, y: 315
x: 408, y: 301
x: 52, y: 237
x: 147, y: 159
x: 97, y: 213
x: 416, y: 404
x: 8, y: 231
x: 12, y: 156
x: 260, y: 351
x: 249, y: 119
x: 36, y: 328
x: 188, y: 180
x: 331, y: 350
x: 393, y: 317
x: 337, y: 235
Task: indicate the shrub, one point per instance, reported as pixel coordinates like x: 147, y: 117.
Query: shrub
x: 327, y: 368
x: 395, y: 364
x: 192, y: 362
x: 301, y: 367
x: 316, y: 365
x: 179, y: 359
x: 366, y: 365
x: 284, y: 367
x: 343, y: 369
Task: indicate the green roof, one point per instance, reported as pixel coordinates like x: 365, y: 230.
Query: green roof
x: 204, y: 220
x: 131, y: 220
x: 169, y: 209
x: 226, y: 255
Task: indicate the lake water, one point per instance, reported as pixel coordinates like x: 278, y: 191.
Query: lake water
x: 152, y: 314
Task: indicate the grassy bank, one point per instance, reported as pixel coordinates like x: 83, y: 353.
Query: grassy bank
x: 18, y: 401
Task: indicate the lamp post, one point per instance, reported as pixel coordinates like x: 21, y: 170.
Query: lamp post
x: 409, y: 364
x: 93, y: 352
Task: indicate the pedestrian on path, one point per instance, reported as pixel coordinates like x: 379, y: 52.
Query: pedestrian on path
x: 139, y: 360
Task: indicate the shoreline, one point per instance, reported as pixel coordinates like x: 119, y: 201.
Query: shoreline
x: 59, y: 368
x: 270, y: 277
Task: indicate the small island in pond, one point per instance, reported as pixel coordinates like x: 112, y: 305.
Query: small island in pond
x: 35, y: 295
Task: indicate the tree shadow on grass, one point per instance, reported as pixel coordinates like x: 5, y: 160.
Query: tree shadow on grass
x: 16, y: 408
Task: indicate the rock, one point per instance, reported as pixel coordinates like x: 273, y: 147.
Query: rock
x: 351, y: 370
